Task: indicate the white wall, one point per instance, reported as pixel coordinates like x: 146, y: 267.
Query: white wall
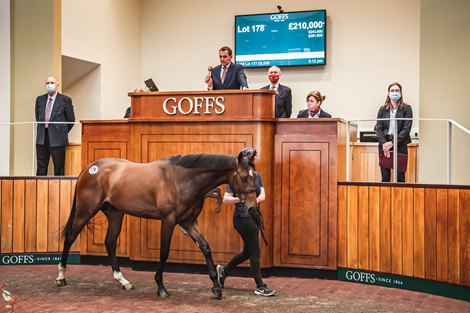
x: 106, y: 32
x: 368, y: 47
x: 445, y: 68
x: 5, y: 87
x: 86, y: 95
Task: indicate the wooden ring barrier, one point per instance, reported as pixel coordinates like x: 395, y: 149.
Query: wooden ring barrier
x: 313, y: 221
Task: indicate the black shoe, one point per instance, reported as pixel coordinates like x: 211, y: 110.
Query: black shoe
x: 265, y: 291
x: 220, y: 275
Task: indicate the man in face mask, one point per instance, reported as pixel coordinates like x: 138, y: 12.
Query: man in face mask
x: 283, y: 95
x: 52, y: 138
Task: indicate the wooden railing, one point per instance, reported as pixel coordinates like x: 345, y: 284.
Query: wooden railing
x: 33, y: 212
x: 412, y: 230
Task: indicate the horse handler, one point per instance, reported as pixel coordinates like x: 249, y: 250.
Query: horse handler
x: 248, y: 224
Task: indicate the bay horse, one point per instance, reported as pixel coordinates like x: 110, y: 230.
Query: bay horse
x: 171, y: 190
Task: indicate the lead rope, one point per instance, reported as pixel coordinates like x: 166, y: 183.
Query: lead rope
x: 257, y: 221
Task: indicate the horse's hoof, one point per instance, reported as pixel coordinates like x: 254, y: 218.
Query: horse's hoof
x: 163, y: 293
x: 61, y: 282
x: 217, y: 292
x: 128, y: 286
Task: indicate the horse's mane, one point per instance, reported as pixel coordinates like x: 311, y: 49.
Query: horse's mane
x: 209, y: 161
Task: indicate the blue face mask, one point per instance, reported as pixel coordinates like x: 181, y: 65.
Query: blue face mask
x: 50, y: 88
x: 394, y: 96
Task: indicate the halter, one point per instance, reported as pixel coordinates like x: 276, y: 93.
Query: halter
x: 238, y: 190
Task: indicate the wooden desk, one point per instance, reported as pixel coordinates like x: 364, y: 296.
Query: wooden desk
x: 285, y: 147
x: 365, y: 162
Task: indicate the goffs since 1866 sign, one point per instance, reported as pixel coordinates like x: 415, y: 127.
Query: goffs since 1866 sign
x: 36, y: 258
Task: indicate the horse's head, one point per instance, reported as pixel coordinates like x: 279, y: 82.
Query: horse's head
x: 244, y: 180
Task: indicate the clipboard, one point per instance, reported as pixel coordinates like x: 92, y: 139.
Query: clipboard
x: 402, y: 161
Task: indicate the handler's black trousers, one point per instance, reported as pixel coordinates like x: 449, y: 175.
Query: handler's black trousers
x: 44, y: 152
x: 251, y: 249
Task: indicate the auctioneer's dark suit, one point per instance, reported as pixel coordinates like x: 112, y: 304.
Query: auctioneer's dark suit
x: 51, y: 141
x: 235, y: 77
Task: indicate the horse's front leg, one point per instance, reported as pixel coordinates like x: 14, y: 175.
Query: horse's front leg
x: 167, y: 228
x: 193, y: 231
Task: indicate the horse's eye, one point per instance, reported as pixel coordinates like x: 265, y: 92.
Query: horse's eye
x: 244, y: 178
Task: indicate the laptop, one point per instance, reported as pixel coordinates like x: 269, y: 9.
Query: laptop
x: 151, y: 85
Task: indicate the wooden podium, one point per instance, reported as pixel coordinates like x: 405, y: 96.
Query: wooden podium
x: 297, y: 158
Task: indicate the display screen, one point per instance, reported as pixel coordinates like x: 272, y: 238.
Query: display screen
x: 282, y: 39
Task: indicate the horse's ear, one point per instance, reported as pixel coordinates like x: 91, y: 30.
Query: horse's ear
x: 240, y: 158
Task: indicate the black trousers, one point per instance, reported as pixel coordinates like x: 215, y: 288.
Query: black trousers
x: 387, y: 176
x: 386, y: 172
x: 43, y: 154
x: 251, y: 249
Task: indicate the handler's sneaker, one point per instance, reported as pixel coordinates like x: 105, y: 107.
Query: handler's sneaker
x: 265, y: 291
x: 220, y: 275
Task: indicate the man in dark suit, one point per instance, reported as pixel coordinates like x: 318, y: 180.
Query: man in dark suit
x: 283, y: 95
x: 227, y: 75
x: 52, y: 138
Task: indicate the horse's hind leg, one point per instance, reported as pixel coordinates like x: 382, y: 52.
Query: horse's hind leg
x: 193, y: 231
x: 114, y: 228
x: 167, y: 228
x: 78, y: 218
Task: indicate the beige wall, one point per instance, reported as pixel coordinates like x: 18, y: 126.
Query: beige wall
x: 445, y: 68
x: 367, y: 48
x: 5, y: 60
x: 106, y: 32
x: 35, y: 27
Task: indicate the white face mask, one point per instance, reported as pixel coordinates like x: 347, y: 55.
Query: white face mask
x: 395, y: 96
x: 50, y: 88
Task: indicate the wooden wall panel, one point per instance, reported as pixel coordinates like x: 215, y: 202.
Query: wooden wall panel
x: 7, y: 217
x: 453, y: 235
x: 385, y: 230
x: 30, y: 215
x: 408, y: 231
x: 374, y: 228
x: 363, y: 226
x: 430, y: 232
x: 305, y: 234
x: 419, y: 236
x: 351, y: 231
x: 18, y: 215
x: 53, y: 216
x: 73, y: 159
x: 306, y: 206
x: 464, y: 225
x: 442, y: 257
x: 33, y: 212
x: 397, y: 230
x: 342, y: 216
x: 42, y: 229
x: 415, y: 231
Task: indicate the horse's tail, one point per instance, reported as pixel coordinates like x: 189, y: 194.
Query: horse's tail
x: 68, y: 226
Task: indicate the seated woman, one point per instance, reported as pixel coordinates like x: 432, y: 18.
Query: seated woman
x: 314, y: 101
